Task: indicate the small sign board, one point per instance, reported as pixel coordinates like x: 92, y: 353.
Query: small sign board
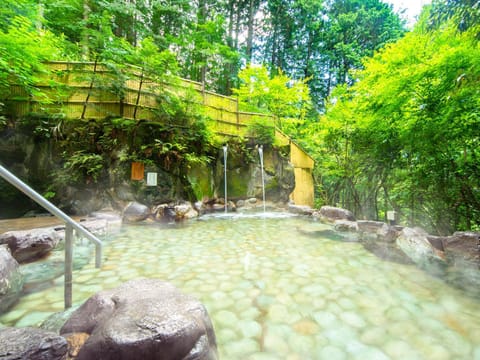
x: 138, y: 169
x: 152, y: 179
x: 391, y: 215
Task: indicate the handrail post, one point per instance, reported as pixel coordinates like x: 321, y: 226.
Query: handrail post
x: 98, y: 256
x: 70, y: 225
x: 68, y: 265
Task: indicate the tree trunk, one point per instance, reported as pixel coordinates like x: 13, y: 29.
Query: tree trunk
x: 41, y: 10
x: 250, y: 28
x: 201, y: 18
x: 85, y: 40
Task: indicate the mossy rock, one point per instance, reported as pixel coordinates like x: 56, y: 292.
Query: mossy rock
x: 201, y: 180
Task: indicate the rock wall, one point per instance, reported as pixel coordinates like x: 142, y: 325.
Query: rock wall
x: 38, y: 161
x: 244, y: 175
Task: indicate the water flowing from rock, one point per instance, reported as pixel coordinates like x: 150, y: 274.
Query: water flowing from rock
x: 225, y: 152
x: 260, y: 154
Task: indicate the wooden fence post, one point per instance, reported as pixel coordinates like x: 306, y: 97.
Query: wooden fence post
x: 89, y: 90
x: 138, y: 96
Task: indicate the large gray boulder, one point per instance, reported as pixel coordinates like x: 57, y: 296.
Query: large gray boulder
x: 143, y: 319
x: 135, y: 212
x: 185, y: 211
x: 386, y: 251
x: 11, y: 280
x: 300, y: 209
x: 345, y: 225
x: 331, y: 213
x: 462, y: 250
x: 369, y: 226
x: 29, y: 245
x: 388, y: 233
x: 463, y: 246
x: 414, y: 243
x: 164, y: 213
x: 31, y: 344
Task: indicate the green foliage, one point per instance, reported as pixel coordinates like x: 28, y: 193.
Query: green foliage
x: 83, y: 165
x: 370, y: 147
x: 3, y: 119
x: 325, y: 40
x: 263, y: 132
x: 465, y: 13
x: 281, y: 96
x: 10, y: 9
x: 161, y: 65
x: 406, y: 136
x: 22, y: 51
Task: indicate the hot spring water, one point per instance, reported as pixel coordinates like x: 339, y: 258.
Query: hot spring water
x: 275, y: 292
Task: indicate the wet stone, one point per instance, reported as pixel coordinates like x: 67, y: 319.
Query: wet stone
x: 371, y: 354
x: 263, y: 356
x: 275, y: 340
x: 250, y: 313
x: 277, y: 313
x: 332, y: 352
x: 339, y: 301
x: 315, y: 290
x: 399, y: 349
x: 346, y: 304
x: 340, y: 335
x: 250, y: 329
x: 264, y: 302
x: 476, y: 352
x: 243, y: 304
x: 373, y: 335
x: 240, y: 349
x: 352, y: 319
x: 456, y: 343
x: 325, y: 319
x: 225, y: 318
x: 306, y: 327
x: 226, y: 335
x: 398, y: 314
x: 300, y: 344
x: 436, y: 351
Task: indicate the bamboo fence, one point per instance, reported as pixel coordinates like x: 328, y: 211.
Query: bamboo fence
x: 90, y: 90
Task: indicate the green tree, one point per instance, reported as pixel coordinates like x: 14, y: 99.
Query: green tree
x: 288, y: 100
x: 325, y: 40
x: 413, y: 119
x: 466, y: 13
x: 23, y: 48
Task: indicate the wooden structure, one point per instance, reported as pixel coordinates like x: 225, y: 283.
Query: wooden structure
x: 88, y: 90
x: 303, y: 194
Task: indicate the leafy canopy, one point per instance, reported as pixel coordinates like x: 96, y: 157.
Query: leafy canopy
x: 410, y: 127
x: 279, y: 95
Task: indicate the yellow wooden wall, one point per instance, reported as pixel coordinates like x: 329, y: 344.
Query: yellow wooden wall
x: 303, y: 164
x: 81, y: 90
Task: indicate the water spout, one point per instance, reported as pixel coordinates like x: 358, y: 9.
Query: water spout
x: 225, y: 151
x: 260, y: 153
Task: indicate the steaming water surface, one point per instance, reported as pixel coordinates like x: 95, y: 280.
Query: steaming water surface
x: 274, y: 292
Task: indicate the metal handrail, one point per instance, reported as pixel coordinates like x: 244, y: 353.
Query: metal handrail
x: 70, y: 226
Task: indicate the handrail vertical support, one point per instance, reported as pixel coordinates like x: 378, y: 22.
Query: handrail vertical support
x: 70, y: 226
x: 68, y: 265
x: 98, y: 256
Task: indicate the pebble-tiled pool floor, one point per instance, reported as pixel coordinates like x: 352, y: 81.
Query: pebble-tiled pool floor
x: 275, y: 293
